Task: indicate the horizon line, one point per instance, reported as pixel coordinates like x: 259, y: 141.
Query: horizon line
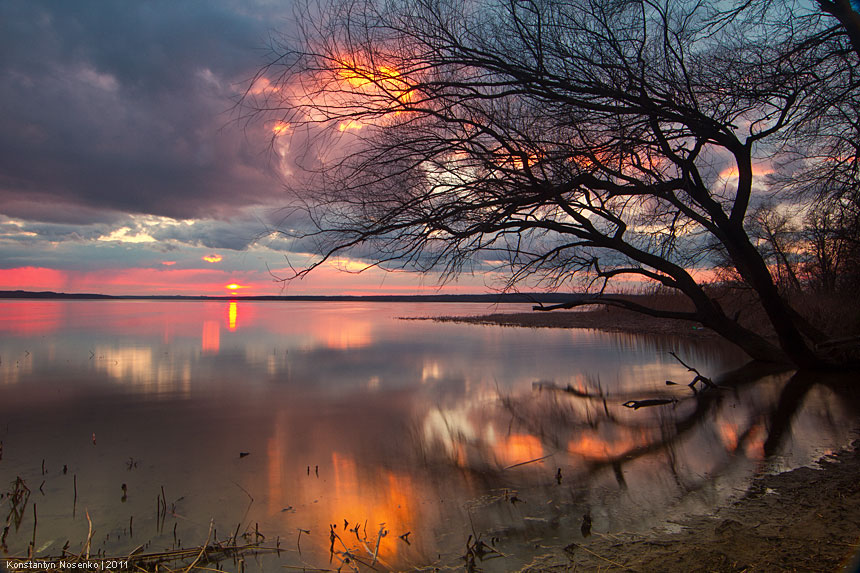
x: 459, y: 297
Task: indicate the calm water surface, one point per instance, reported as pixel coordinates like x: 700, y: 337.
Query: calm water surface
x: 281, y: 417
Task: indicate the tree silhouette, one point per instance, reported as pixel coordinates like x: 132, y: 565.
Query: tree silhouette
x: 578, y: 142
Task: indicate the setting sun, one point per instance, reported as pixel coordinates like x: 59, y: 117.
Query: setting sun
x: 233, y: 286
x: 215, y: 258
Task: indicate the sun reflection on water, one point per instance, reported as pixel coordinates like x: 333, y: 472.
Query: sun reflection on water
x: 232, y: 312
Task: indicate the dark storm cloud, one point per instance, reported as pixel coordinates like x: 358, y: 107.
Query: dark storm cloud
x: 120, y: 106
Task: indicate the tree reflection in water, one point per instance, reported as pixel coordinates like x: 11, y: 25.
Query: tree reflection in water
x: 576, y: 455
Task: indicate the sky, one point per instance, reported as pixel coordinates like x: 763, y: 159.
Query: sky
x: 124, y: 168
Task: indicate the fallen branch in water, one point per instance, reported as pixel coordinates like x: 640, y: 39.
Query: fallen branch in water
x: 480, y: 551
x: 636, y: 404
x: 699, y: 377
x: 528, y: 462
x: 573, y: 546
x: 202, y: 549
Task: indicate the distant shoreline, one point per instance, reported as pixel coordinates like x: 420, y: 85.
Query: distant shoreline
x: 550, y: 298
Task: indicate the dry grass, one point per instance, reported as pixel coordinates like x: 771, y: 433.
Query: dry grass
x: 204, y: 557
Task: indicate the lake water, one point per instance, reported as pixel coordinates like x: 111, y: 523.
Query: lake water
x: 320, y: 425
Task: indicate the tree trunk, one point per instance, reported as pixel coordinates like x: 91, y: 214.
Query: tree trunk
x: 847, y: 16
x: 756, y: 346
x: 754, y: 270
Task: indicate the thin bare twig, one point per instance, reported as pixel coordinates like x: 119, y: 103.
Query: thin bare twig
x: 202, y: 549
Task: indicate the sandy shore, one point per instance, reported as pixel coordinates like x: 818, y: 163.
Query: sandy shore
x: 806, y: 519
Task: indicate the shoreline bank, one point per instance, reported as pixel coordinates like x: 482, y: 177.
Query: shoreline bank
x: 607, y: 319
x: 805, y: 519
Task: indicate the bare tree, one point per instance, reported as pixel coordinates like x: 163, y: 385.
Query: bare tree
x: 778, y: 240
x: 818, y: 160
x: 581, y: 141
x: 832, y: 232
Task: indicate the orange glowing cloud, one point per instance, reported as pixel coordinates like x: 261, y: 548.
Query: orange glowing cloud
x: 519, y: 162
x: 214, y: 258
x: 263, y: 86
x: 280, y: 128
x: 351, y: 124
x: 168, y: 263
x: 757, y: 170
x: 381, y: 83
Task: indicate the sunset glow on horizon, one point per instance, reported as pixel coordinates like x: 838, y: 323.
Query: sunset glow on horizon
x: 206, y: 281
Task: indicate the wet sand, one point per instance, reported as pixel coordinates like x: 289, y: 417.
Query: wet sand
x: 807, y: 519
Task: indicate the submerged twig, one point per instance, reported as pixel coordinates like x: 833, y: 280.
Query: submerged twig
x: 382, y: 533
x: 186, y: 560
x: 299, y: 539
x: 35, y: 522
x: 86, y: 549
x: 699, y: 377
x: 636, y: 404
x: 587, y: 550
x: 528, y: 462
x: 250, y: 502
x: 202, y: 549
